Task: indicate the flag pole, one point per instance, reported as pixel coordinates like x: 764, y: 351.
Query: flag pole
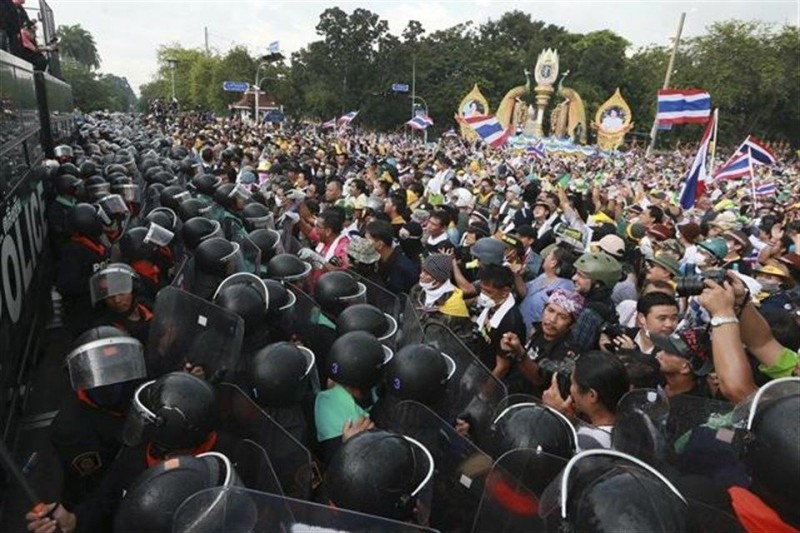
x: 714, y: 142
x: 654, y: 129
x: 752, y: 179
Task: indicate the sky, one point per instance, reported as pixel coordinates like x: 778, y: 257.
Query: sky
x: 128, y: 32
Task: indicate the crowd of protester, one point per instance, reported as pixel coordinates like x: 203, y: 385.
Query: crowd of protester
x: 591, y: 311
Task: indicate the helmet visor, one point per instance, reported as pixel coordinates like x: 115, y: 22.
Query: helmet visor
x: 129, y: 192
x: 745, y: 413
x: 158, y: 235
x: 106, y: 362
x: 139, y: 418
x: 250, y: 280
x: 114, y: 280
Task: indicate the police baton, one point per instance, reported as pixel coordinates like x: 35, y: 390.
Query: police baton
x: 13, y: 469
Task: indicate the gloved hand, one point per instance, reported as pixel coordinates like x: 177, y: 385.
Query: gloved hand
x: 307, y: 254
x: 292, y: 217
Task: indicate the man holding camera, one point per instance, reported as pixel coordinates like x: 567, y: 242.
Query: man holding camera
x: 548, y: 347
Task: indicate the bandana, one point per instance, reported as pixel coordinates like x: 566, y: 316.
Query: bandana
x: 570, y: 301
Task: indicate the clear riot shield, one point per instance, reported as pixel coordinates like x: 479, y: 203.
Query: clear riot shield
x: 472, y: 392
x: 383, y: 299
x: 250, y: 252
x: 184, y: 274
x: 254, y: 468
x: 293, y: 463
x: 187, y: 329
x: 305, y: 313
x: 460, y: 465
x: 512, y: 492
x: 237, y: 510
x: 689, y: 433
x: 410, y: 325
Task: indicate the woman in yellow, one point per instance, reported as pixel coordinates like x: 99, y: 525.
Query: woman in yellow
x: 438, y: 299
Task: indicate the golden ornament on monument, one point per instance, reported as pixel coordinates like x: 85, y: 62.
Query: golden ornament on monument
x: 612, y: 121
x: 473, y: 104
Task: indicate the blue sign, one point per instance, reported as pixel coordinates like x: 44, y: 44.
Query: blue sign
x: 274, y: 115
x: 274, y: 47
x: 400, y: 87
x: 235, y: 86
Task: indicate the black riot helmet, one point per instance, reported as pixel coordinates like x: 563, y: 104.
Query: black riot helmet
x: 84, y: 220
x: 68, y: 168
x: 419, y: 372
x: 366, y: 317
x: 172, y: 196
x: 96, y: 188
x: 337, y: 290
x: 287, y: 267
x: 606, y: 490
x: 379, y: 473
x: 281, y: 374
x: 206, y: 183
x: 192, y: 207
x: 154, y: 497
x: 164, y: 217
x: 357, y: 359
x: 245, y: 295
x: 197, y: 230
x: 280, y: 298
x: 771, y: 452
x: 218, y: 257
x: 533, y: 426
x: 67, y: 185
x: 107, y: 364
x: 88, y: 169
x: 256, y: 216
x: 268, y: 241
x: 223, y: 195
x: 176, y: 411
x: 134, y: 246
x: 115, y: 168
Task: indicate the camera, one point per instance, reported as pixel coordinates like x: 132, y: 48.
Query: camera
x: 562, y: 369
x: 694, y: 285
x: 612, y: 331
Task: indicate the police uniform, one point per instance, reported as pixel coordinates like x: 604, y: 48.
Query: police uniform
x: 86, y: 437
x: 57, y: 217
x: 138, y: 329
x: 81, y: 258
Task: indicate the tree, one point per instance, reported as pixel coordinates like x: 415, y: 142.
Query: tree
x: 76, y: 43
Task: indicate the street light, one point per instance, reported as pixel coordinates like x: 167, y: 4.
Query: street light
x: 257, y: 87
x: 172, y: 62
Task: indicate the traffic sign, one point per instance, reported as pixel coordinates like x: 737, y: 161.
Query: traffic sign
x: 274, y: 115
x: 400, y: 87
x: 235, y: 86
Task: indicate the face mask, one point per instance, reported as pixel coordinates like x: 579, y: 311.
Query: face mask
x: 770, y: 287
x: 701, y: 260
x: 485, y: 301
x: 428, y: 286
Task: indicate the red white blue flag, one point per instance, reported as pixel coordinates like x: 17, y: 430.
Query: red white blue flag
x: 695, y: 184
x: 330, y: 124
x: 735, y: 168
x: 758, y: 151
x: 420, y: 122
x: 489, y: 129
x: 684, y: 106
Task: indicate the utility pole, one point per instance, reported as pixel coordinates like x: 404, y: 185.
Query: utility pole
x: 654, y: 129
x: 205, y: 30
x: 413, y: 83
x: 172, y: 62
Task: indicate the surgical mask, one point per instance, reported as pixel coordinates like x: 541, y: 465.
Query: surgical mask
x: 278, y: 201
x: 770, y: 287
x: 427, y: 285
x: 485, y: 301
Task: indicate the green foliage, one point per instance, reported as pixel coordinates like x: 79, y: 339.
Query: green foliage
x: 751, y: 70
x: 76, y: 43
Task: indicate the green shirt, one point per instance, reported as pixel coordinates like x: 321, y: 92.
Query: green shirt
x: 332, y: 409
x: 786, y: 364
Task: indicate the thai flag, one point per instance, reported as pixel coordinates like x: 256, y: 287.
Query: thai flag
x: 683, y: 106
x: 420, y: 122
x: 766, y: 189
x: 348, y: 118
x: 450, y: 133
x: 536, y: 150
x: 758, y: 151
x: 489, y: 129
x: 735, y: 168
x: 330, y: 124
x: 695, y: 184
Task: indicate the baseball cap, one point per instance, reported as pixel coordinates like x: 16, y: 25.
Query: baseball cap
x: 692, y: 344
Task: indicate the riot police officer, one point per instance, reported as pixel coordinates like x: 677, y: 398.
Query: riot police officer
x: 83, y: 255
x: 104, y: 368
x: 114, y: 291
